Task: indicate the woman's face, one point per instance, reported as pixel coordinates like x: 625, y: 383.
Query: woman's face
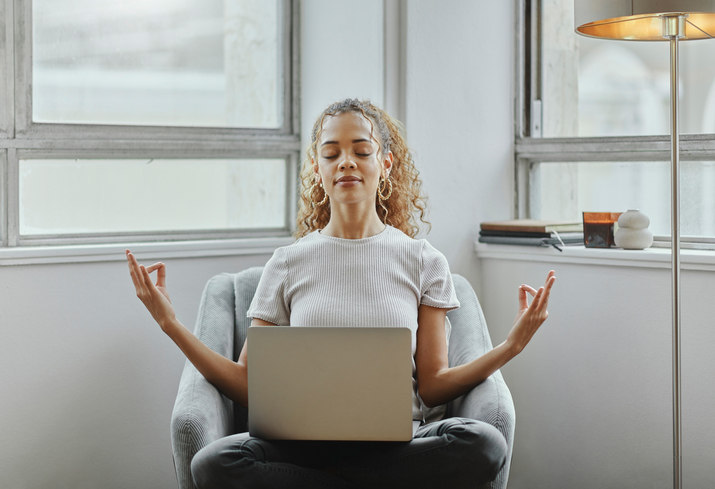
x: 350, y: 162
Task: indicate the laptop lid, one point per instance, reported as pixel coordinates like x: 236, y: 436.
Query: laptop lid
x: 326, y: 383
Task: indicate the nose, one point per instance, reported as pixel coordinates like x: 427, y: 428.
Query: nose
x: 348, y: 164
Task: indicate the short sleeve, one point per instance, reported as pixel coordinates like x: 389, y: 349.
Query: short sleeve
x: 269, y: 302
x: 437, y: 289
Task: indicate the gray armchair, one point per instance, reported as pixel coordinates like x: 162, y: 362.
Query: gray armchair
x: 201, y: 414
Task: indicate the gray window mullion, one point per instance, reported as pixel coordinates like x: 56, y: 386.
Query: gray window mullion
x: 3, y: 198
x: 12, y: 198
x: 291, y: 66
x: 7, y: 72
x: 611, y: 149
x: 295, y: 161
x: 22, y: 49
x: 206, y: 147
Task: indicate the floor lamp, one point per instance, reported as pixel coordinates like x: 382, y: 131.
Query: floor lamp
x: 658, y: 20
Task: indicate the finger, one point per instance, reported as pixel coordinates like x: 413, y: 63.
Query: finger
x: 146, y: 279
x: 132, y: 260
x: 155, y: 266
x: 547, y: 288
x: 550, y: 280
x: 549, y: 276
x: 134, y: 270
x: 536, y: 304
x: 523, y: 303
x: 532, y: 292
x: 161, y: 278
x: 529, y: 289
x: 161, y: 275
x: 134, y: 264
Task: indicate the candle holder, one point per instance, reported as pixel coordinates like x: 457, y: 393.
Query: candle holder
x: 598, y: 229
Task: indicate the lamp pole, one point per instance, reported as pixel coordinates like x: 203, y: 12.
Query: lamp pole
x: 673, y: 29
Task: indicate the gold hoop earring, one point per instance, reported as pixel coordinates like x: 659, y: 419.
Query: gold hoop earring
x: 384, y: 182
x: 312, y: 191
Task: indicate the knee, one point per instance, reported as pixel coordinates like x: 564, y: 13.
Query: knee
x: 495, y: 452
x: 206, y: 468
x: 216, y: 464
x: 202, y: 468
x: 485, y: 448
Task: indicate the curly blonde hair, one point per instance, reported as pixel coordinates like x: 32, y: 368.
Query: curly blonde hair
x: 406, y: 201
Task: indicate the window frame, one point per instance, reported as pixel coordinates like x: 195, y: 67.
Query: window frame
x: 7, y: 80
x: 531, y: 148
x: 20, y: 138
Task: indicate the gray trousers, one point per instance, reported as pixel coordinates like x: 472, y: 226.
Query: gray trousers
x: 453, y: 453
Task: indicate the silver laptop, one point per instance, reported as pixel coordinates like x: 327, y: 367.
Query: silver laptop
x: 307, y: 383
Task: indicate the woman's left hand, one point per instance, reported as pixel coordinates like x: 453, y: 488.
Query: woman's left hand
x: 530, y: 316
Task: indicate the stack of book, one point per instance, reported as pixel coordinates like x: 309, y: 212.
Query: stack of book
x: 532, y: 232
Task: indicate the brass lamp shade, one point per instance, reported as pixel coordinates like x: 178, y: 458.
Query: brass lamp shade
x: 642, y: 20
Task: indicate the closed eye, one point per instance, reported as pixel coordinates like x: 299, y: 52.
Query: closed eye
x: 333, y: 156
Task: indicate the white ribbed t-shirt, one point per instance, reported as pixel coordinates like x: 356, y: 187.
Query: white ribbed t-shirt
x: 381, y: 280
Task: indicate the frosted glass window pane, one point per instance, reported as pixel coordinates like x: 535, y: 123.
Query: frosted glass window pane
x: 595, y: 87
x: 110, y: 196
x: 213, y: 63
x: 617, y: 187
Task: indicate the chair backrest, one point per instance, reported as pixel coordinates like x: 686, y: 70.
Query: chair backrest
x: 245, y: 284
x: 469, y: 327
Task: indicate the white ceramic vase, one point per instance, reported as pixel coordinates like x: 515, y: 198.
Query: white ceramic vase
x: 633, y: 232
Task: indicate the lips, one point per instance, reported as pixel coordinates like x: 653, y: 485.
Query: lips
x: 348, y: 179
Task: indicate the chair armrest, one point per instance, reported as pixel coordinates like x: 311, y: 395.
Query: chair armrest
x: 492, y: 403
x: 201, y: 413
x: 491, y: 400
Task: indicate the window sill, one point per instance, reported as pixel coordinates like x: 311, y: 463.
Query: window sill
x: 158, y: 250
x: 703, y: 260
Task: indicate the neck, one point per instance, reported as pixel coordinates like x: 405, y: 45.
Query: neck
x: 349, y: 222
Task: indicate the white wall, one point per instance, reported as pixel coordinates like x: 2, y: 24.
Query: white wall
x: 341, y: 55
x: 593, y: 389
x: 459, y: 118
x: 88, y: 380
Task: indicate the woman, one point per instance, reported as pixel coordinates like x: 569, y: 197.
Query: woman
x: 356, y: 263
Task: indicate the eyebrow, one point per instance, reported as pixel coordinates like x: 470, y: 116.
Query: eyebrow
x: 362, y: 140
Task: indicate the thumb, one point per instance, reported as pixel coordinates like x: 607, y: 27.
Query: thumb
x: 523, y: 303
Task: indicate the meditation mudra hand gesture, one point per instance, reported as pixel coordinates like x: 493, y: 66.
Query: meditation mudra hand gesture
x: 154, y: 296
x: 530, y: 316
x: 359, y: 201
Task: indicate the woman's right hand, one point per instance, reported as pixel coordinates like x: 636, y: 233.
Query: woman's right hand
x: 228, y: 376
x: 154, y: 296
